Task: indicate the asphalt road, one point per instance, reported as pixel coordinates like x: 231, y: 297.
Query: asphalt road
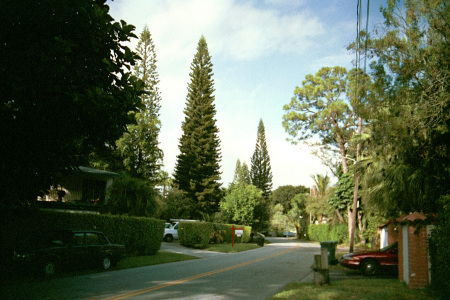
x: 255, y: 274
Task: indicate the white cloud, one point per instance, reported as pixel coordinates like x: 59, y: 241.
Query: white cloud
x: 238, y: 33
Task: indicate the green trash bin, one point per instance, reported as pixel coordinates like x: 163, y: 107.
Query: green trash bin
x: 259, y: 239
x: 331, y: 247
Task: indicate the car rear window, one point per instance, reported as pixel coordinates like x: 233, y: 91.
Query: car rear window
x: 93, y: 238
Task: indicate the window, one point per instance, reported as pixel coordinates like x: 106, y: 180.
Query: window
x: 78, y: 239
x: 93, y: 238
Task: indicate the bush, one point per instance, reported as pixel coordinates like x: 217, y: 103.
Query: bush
x: 339, y: 233
x: 225, y: 230
x: 195, y: 234
x: 440, y: 250
x: 140, y: 235
x: 319, y: 232
x: 132, y: 196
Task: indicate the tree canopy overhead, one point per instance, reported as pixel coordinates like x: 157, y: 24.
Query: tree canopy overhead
x: 66, y: 88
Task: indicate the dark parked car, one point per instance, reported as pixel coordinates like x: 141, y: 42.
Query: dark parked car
x: 69, y: 248
x: 371, y: 262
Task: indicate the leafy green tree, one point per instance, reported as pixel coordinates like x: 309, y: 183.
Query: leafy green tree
x: 410, y: 114
x: 261, y: 171
x: 176, y: 205
x: 322, y: 107
x: 317, y: 204
x: 139, y: 145
x: 240, y: 205
x: 328, y: 105
x: 297, y: 215
x: 279, y: 220
x: 132, y: 196
x: 285, y: 194
x: 66, y: 89
x: 409, y: 164
x: 197, y: 170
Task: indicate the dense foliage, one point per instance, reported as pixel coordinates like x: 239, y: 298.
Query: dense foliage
x: 66, y: 89
x: 132, y: 196
x: 327, y: 232
x: 141, y: 236
x: 139, y: 145
x: 261, y: 171
x: 197, y: 169
x: 195, y: 234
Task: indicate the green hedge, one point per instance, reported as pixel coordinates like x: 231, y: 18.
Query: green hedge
x: 140, y: 235
x: 195, y: 234
x: 439, y: 246
x: 339, y: 233
x: 327, y: 232
x: 225, y: 231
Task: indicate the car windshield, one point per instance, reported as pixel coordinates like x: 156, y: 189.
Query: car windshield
x: 391, y: 246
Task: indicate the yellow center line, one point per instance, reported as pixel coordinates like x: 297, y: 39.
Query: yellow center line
x: 197, y: 276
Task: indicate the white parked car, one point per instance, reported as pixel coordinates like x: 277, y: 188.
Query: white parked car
x: 171, y: 233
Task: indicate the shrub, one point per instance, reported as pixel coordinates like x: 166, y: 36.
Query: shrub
x: 319, y: 232
x: 139, y: 235
x: 225, y: 230
x: 339, y: 233
x: 440, y: 250
x: 195, y: 234
x: 132, y: 196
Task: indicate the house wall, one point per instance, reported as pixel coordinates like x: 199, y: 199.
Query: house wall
x: 392, y: 233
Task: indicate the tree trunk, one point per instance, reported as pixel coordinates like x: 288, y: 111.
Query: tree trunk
x: 340, y: 217
x: 355, y: 196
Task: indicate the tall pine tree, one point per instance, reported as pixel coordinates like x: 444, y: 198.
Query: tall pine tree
x: 197, y: 170
x: 261, y: 172
x: 139, y: 146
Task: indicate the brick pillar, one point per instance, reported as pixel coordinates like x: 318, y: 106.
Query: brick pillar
x: 418, y: 257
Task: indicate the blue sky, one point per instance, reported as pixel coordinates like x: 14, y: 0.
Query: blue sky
x: 261, y: 50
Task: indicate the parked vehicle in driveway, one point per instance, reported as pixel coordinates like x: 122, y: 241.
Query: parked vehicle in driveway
x: 371, y: 262
x: 171, y: 233
x: 69, y: 248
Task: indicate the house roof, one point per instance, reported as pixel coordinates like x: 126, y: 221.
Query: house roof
x: 416, y: 217
x: 96, y: 173
x: 387, y: 223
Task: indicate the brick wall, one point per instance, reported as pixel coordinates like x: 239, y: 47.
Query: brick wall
x: 418, y: 258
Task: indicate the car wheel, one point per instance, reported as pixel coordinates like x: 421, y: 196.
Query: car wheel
x: 370, y: 267
x: 49, y: 268
x: 106, y: 263
x: 168, y: 238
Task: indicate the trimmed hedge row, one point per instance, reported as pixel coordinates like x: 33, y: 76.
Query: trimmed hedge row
x: 327, y: 232
x: 195, y: 234
x: 140, y: 235
x: 200, y: 234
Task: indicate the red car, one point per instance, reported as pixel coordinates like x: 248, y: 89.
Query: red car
x: 371, y: 262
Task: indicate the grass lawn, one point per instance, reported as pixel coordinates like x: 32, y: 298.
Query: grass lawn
x: 162, y: 257
x: 226, y: 248
x: 385, y: 289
